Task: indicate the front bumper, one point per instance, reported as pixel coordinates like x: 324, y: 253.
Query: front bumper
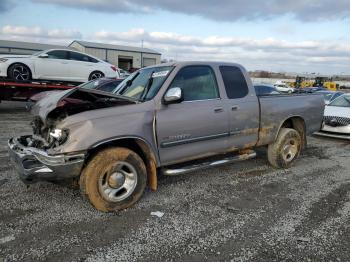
x: 342, y: 132
x: 333, y: 135
x: 35, y: 165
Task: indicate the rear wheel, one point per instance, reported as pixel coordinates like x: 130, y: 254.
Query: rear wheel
x: 19, y: 72
x: 286, y: 148
x: 96, y: 75
x: 114, y: 179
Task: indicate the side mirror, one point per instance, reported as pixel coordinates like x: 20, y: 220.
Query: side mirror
x: 44, y: 56
x: 173, y: 95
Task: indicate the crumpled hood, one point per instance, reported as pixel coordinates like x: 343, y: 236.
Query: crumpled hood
x: 76, y: 100
x: 44, y: 106
x: 337, y: 111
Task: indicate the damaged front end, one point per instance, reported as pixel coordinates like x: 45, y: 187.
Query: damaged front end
x: 36, y: 156
x: 34, y: 164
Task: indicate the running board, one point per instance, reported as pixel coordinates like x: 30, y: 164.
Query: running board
x: 194, y: 167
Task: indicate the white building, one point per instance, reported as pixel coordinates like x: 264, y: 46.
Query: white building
x: 125, y: 57
x: 24, y: 48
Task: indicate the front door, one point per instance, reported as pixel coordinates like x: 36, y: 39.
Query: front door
x: 53, y: 67
x: 196, y: 127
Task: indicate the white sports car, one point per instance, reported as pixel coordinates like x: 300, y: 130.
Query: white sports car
x: 336, y: 122
x: 55, y: 64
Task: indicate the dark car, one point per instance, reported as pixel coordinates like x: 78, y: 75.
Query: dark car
x: 264, y: 90
x: 329, y: 96
x: 102, y: 84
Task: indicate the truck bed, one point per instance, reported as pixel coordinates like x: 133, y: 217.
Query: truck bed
x: 22, y: 91
x: 274, y: 110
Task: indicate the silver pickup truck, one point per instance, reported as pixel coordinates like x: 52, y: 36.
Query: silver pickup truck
x: 167, y: 119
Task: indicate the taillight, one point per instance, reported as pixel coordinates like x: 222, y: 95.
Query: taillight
x: 114, y: 68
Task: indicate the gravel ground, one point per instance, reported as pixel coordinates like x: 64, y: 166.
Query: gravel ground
x: 242, y: 212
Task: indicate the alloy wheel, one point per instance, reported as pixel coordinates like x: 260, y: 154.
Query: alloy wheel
x: 21, y: 73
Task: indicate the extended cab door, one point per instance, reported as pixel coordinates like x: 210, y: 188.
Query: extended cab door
x: 196, y: 127
x: 243, y: 107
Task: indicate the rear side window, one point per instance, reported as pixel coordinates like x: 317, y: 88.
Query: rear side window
x: 58, y: 54
x: 79, y: 57
x: 92, y: 60
x: 197, y: 83
x: 234, y: 80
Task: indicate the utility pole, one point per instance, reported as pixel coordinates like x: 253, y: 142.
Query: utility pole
x: 142, y: 43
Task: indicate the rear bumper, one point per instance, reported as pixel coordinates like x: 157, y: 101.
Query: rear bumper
x: 35, y: 165
x: 333, y: 135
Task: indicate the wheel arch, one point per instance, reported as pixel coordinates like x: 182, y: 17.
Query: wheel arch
x: 96, y: 71
x: 298, y: 123
x: 31, y: 69
x: 139, y: 146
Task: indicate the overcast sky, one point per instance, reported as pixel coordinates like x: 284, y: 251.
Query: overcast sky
x: 278, y: 35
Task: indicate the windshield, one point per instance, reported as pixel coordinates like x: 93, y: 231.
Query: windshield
x: 327, y: 96
x: 91, y: 84
x: 342, y: 101
x: 143, y: 84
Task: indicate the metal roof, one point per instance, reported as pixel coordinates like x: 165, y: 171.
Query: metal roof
x: 28, y: 45
x: 116, y: 47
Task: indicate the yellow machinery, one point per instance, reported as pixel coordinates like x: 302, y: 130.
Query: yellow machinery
x: 320, y: 81
x: 301, y: 82
x: 326, y: 82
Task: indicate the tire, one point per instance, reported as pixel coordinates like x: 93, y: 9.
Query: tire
x: 19, y: 72
x: 286, y: 148
x: 96, y: 75
x: 104, y: 181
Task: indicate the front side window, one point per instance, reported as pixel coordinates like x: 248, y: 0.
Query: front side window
x: 197, y: 83
x: 234, y: 80
x: 144, y: 84
x: 58, y: 54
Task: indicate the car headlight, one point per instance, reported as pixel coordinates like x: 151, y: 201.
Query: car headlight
x: 2, y: 60
x: 59, y: 135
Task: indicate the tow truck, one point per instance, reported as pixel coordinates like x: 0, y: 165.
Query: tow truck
x: 22, y: 91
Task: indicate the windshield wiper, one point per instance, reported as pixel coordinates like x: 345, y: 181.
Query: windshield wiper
x: 128, y: 83
x: 147, y: 87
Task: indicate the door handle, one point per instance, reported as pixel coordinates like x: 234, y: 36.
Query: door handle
x: 234, y: 108
x: 218, y: 110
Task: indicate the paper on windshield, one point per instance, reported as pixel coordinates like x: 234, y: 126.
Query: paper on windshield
x: 160, y: 73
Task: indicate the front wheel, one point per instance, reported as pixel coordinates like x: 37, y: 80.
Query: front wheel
x: 114, y: 179
x: 286, y: 148
x: 19, y: 72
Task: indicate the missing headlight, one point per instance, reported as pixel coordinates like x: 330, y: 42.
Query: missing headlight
x: 59, y: 136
